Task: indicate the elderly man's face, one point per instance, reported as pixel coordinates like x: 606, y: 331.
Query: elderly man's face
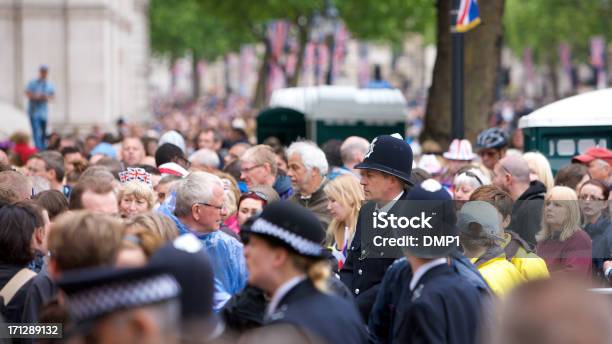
x: 254, y: 174
x: 209, y: 215
x: 300, y: 176
x: 599, y: 170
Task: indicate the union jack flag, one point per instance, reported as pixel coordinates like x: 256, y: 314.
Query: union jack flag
x: 135, y: 173
x: 468, y: 16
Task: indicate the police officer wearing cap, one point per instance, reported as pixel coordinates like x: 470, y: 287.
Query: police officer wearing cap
x: 393, y: 303
x: 109, y: 305
x: 385, y: 176
x: 437, y: 305
x: 285, y: 259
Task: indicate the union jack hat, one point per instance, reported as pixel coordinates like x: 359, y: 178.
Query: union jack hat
x: 135, y: 173
x: 460, y: 150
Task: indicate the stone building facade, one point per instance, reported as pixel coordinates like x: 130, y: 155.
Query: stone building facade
x: 97, y: 52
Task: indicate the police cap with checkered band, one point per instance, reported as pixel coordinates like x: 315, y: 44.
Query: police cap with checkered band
x: 294, y: 226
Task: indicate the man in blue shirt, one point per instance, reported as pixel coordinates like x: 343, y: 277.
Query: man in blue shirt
x: 197, y: 206
x: 39, y: 91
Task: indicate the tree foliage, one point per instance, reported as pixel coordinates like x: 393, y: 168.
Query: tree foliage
x: 179, y: 27
x: 390, y: 20
x: 544, y: 24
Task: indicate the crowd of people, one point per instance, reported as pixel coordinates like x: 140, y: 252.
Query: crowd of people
x: 210, y: 238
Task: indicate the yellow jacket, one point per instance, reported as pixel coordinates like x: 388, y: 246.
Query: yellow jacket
x: 527, y: 263
x: 500, y: 274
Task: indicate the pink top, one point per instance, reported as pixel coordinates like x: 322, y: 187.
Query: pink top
x: 572, y: 255
x: 232, y: 223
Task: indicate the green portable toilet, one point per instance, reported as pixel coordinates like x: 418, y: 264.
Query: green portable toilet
x: 569, y: 127
x: 337, y: 112
x: 286, y: 124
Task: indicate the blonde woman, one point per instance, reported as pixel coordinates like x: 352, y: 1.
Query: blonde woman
x: 161, y: 226
x: 561, y: 243
x: 135, y: 198
x: 539, y: 169
x: 345, y: 196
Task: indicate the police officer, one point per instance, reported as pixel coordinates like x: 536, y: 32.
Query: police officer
x: 391, y: 304
x: 437, y: 305
x: 108, y: 305
x: 385, y: 176
x: 285, y: 259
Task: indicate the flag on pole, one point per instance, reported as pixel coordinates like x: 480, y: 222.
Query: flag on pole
x: 468, y: 16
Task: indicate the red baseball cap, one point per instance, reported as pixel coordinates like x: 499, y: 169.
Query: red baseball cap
x: 594, y: 153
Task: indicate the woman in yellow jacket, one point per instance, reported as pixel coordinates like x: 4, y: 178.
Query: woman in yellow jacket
x: 517, y: 250
x: 479, y: 227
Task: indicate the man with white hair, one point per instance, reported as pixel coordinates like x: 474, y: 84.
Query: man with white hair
x: 352, y: 151
x: 307, y: 167
x: 204, y: 160
x: 199, y: 208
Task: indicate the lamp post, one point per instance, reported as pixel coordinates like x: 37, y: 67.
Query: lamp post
x: 457, y: 76
x: 330, y: 27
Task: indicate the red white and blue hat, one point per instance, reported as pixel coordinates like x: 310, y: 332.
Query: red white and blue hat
x: 460, y: 150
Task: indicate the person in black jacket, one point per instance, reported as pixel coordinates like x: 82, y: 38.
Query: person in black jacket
x: 286, y: 260
x: 20, y: 224
x: 436, y: 304
x: 511, y: 174
x: 596, y: 222
x: 385, y: 175
x: 396, y: 280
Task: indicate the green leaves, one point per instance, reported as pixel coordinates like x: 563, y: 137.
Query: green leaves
x: 388, y: 20
x: 181, y: 26
x: 211, y: 28
x: 543, y: 24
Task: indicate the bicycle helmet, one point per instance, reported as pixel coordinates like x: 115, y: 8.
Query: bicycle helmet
x: 492, y: 138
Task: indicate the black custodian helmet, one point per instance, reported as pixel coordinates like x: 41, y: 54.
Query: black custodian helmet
x: 389, y: 154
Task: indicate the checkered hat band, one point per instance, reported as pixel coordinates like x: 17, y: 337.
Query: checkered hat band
x: 296, y: 242
x: 122, y: 295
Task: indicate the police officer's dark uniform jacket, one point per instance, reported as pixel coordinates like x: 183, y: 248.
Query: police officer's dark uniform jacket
x: 365, y: 267
x: 396, y: 281
x: 442, y: 308
x: 437, y: 305
x: 323, y: 317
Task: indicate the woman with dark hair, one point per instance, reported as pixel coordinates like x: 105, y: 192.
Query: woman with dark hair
x: 593, y: 198
x: 251, y: 203
x: 19, y: 224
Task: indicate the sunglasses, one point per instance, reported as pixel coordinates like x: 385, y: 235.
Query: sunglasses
x: 257, y: 194
x: 473, y: 175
